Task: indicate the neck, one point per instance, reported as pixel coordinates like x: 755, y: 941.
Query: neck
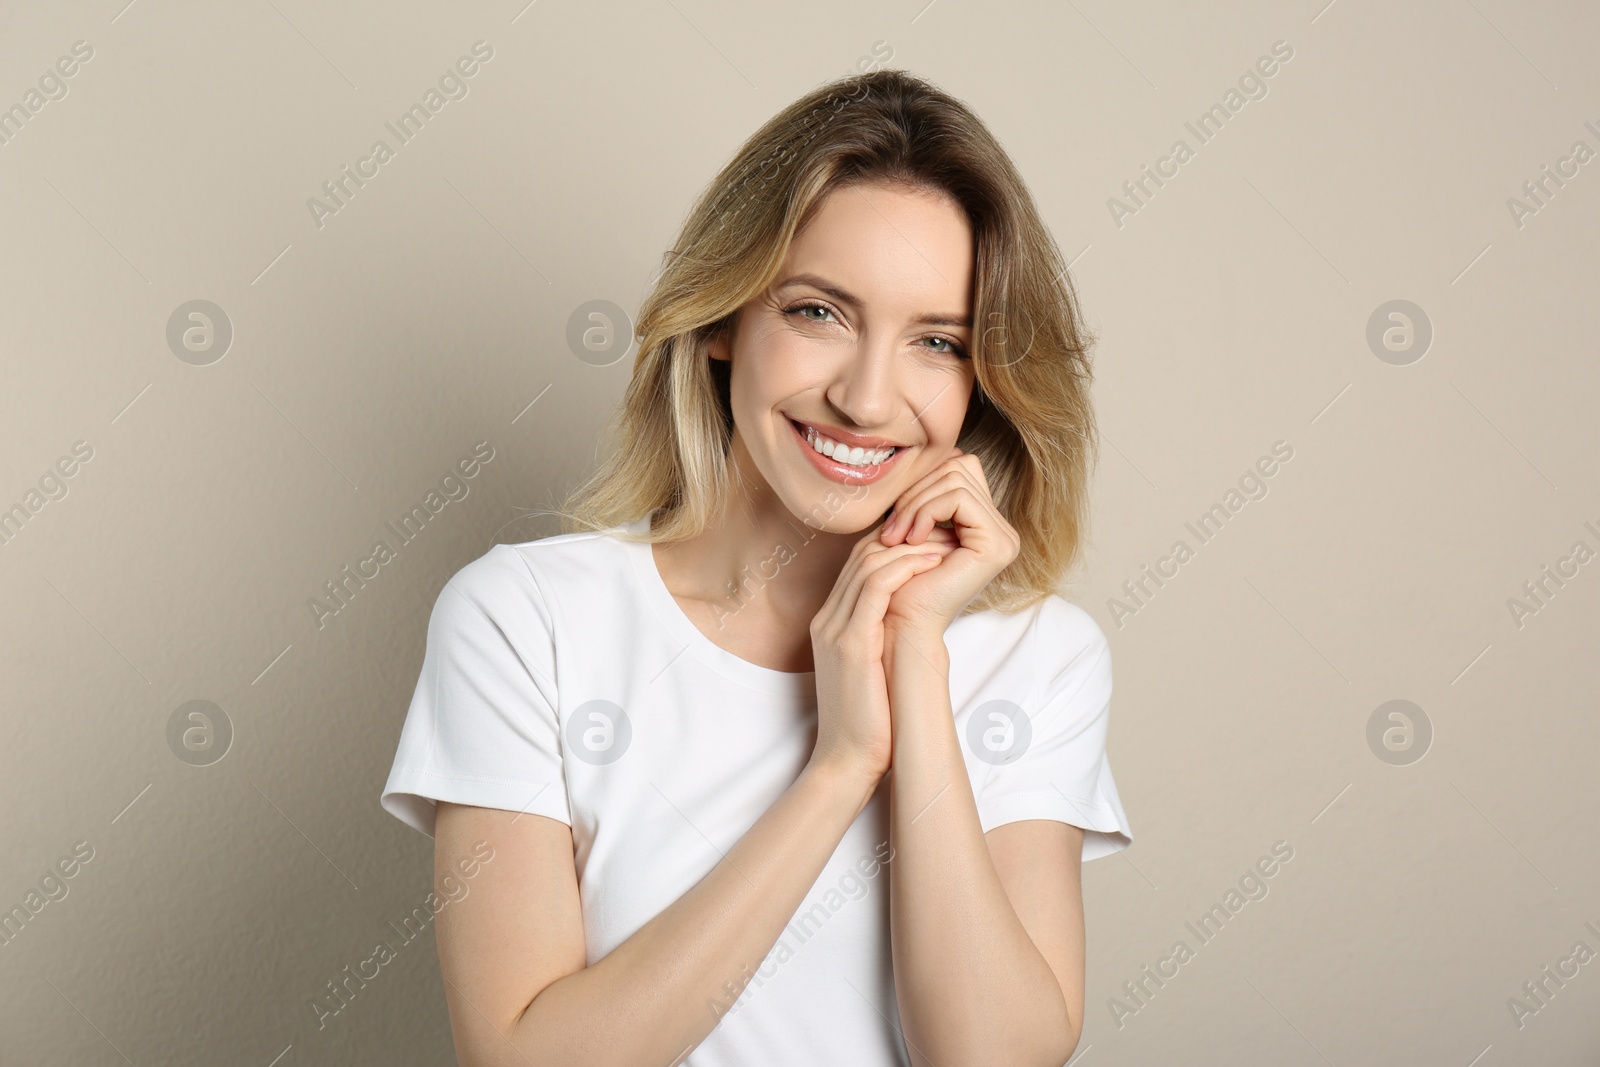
x: 759, y: 555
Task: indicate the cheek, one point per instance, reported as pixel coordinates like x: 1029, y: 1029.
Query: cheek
x: 946, y: 415
x: 776, y: 366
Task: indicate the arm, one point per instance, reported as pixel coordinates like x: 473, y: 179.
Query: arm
x: 512, y: 951
x: 987, y: 930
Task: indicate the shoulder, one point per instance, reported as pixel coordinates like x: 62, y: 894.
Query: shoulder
x: 1061, y: 627
x: 1048, y: 628
x: 524, y: 580
x: 1049, y: 645
x: 495, y: 580
x: 1066, y: 650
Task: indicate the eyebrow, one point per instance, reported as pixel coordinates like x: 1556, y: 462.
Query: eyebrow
x: 844, y: 297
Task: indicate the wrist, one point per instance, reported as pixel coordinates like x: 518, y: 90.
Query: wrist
x: 843, y: 777
x: 919, y: 645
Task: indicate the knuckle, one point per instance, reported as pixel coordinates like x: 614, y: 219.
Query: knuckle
x: 877, y: 579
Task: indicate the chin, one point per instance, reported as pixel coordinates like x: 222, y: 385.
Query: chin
x: 837, y: 512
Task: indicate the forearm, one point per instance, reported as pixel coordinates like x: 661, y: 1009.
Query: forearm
x: 659, y: 993
x: 972, y: 986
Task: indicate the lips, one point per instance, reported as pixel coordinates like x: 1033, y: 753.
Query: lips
x: 846, y: 438
x: 841, y: 472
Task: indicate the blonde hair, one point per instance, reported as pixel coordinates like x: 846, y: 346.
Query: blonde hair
x: 1029, y: 421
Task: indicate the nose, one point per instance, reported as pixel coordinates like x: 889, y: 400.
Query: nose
x: 868, y: 389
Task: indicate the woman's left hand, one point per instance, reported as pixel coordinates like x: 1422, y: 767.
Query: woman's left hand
x: 978, y: 545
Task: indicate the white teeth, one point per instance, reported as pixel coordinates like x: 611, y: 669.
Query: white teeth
x: 852, y: 457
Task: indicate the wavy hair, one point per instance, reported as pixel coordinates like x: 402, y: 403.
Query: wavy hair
x: 1029, y: 421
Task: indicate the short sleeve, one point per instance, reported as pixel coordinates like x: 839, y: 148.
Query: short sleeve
x: 1063, y: 772
x: 482, y: 728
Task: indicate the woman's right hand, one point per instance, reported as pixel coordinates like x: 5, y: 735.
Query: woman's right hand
x: 853, y: 727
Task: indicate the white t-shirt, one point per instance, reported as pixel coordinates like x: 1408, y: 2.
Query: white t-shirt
x: 561, y: 678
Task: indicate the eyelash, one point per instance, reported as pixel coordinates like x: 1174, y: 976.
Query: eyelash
x: 956, y: 348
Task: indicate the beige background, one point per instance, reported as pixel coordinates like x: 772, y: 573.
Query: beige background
x: 369, y: 355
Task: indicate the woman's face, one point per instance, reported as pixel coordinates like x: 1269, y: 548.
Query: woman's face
x: 866, y: 331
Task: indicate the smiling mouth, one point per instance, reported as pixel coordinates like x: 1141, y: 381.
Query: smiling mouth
x: 842, y: 471
x: 857, y: 457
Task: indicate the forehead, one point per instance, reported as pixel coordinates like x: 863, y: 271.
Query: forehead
x: 897, y: 249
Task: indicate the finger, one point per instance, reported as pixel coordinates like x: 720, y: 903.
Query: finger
x: 984, y: 514
x: 961, y: 506
x: 836, y: 610
x: 940, y: 537
x: 935, y: 531
x: 906, y: 505
x: 974, y: 468
x: 872, y: 602
x: 841, y: 604
x: 875, y: 562
x: 915, y: 505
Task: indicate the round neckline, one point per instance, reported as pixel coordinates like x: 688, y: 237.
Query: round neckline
x: 671, y: 615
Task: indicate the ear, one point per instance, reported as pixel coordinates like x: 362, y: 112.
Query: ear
x: 719, y: 344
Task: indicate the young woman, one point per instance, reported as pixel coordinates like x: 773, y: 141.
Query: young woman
x: 790, y: 752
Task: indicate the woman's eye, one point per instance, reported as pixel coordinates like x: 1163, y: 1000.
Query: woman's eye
x: 801, y: 310
x: 950, y: 346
